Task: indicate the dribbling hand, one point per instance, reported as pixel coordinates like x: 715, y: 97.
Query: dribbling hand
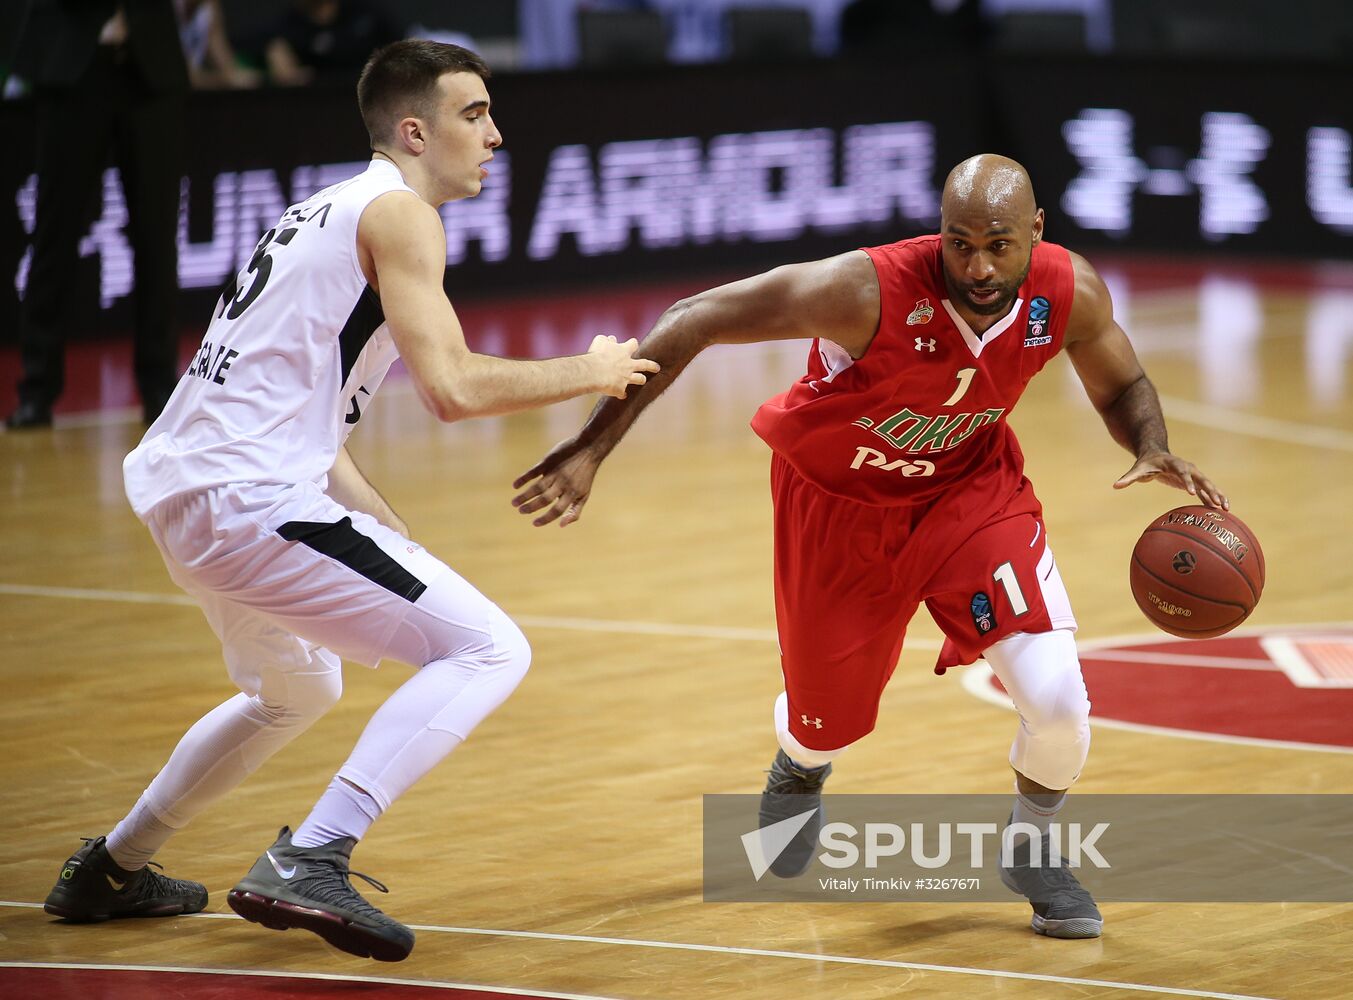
x: 1174, y: 471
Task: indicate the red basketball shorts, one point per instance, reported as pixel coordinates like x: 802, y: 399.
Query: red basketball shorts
x: 849, y: 577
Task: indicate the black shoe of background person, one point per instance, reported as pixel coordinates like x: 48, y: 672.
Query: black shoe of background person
x: 29, y: 415
x: 92, y: 887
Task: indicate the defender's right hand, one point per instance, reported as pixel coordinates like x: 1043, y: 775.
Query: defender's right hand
x: 617, y: 367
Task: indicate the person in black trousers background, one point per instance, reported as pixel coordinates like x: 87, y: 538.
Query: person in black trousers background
x: 106, y: 75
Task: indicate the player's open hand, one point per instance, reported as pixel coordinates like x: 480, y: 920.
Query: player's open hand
x: 558, y: 485
x: 617, y: 367
x: 1174, y: 471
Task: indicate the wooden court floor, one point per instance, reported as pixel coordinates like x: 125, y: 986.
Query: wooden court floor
x: 559, y: 850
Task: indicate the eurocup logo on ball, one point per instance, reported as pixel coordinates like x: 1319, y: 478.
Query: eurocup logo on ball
x: 1197, y: 573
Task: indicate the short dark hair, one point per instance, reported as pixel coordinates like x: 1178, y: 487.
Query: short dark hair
x: 400, y: 79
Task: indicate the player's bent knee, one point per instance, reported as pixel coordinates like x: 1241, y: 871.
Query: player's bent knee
x: 321, y: 692
x: 512, y: 651
x: 1064, y: 720
x: 299, y: 696
x: 1053, y: 758
x: 310, y: 694
x: 1056, y: 768
x: 1052, y: 747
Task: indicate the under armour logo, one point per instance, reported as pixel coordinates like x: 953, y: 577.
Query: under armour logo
x: 925, y: 345
x: 1111, y: 175
x: 815, y: 723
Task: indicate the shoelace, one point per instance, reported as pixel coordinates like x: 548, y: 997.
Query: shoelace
x: 370, y: 881
x: 330, y: 883
x: 785, y: 781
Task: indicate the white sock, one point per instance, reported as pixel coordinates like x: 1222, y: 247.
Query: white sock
x: 135, y: 840
x: 342, y: 811
x: 1037, y: 814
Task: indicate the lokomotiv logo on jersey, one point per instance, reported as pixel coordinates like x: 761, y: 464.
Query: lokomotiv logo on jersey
x: 916, y: 432
x: 922, y: 314
x: 1036, y: 332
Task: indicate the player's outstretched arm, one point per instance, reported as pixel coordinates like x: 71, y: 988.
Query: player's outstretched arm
x: 836, y: 299
x: 1125, y: 398
x: 402, y: 249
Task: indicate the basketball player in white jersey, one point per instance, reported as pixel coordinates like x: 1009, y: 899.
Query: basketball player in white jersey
x: 247, y: 488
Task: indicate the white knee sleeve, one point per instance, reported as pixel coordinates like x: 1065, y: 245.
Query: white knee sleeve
x: 1042, y: 675
x: 491, y: 677
x: 434, y: 711
x: 797, y: 751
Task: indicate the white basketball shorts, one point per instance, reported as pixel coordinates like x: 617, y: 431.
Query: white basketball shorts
x: 284, y: 573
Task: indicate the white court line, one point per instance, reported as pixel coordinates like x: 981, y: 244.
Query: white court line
x: 882, y: 963
x: 84, y: 594
x: 98, y: 418
x: 322, y: 976
x: 1239, y: 422
x: 649, y: 628
x: 675, y: 629
x: 977, y: 682
x: 1181, y: 660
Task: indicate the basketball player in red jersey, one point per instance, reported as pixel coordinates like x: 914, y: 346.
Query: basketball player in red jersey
x: 896, y: 479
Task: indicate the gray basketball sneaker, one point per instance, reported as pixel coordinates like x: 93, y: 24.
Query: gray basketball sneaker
x: 309, y: 888
x: 792, y: 790
x: 92, y: 887
x: 1062, y: 907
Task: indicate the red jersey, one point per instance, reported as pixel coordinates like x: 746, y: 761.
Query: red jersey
x: 923, y: 413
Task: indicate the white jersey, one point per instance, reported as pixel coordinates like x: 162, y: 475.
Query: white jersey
x: 296, y: 347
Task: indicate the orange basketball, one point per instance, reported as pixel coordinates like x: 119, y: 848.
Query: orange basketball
x: 1197, y: 572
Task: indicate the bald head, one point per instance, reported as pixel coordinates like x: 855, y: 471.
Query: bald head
x: 988, y: 185
x: 990, y: 225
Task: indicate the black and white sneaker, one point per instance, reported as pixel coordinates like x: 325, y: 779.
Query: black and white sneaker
x: 791, y: 791
x: 1062, y: 906
x: 309, y: 888
x: 92, y: 887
